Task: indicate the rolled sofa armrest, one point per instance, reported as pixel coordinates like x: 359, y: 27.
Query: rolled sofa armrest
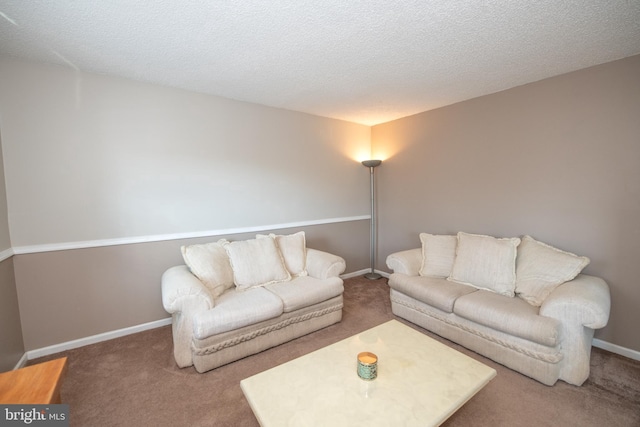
x: 584, y: 300
x: 323, y: 265
x: 406, y: 262
x: 182, y: 290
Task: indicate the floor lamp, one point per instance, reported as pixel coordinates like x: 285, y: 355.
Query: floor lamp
x: 372, y: 164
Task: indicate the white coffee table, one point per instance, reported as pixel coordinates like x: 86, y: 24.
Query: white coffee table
x: 420, y: 383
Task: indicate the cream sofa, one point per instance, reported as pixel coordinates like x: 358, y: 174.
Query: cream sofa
x: 519, y: 302
x: 234, y: 299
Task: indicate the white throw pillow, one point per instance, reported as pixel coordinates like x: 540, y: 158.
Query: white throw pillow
x: 541, y: 268
x: 293, y: 248
x: 256, y: 262
x: 486, y: 262
x: 210, y: 263
x: 438, y: 254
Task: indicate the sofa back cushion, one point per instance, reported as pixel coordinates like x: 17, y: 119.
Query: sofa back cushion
x: 486, y: 262
x: 209, y: 263
x: 256, y: 262
x: 293, y: 248
x: 438, y: 254
x: 541, y: 268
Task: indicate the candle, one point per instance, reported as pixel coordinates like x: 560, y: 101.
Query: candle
x: 367, y: 366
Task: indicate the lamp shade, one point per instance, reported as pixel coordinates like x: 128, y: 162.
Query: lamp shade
x: 371, y: 163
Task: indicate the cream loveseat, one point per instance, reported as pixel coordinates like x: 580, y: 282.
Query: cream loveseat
x: 519, y: 302
x: 234, y: 299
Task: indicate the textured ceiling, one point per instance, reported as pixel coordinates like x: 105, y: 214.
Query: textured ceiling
x: 364, y: 61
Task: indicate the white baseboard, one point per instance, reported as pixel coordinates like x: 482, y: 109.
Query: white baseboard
x: 22, y: 362
x: 354, y: 274
x: 57, y: 348
x: 613, y: 348
x: 361, y: 272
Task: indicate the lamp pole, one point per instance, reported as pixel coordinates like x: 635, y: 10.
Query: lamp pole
x: 371, y: 164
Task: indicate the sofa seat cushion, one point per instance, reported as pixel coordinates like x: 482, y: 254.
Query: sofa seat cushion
x: 235, y: 309
x: 305, y: 291
x: 513, y: 316
x: 436, y: 292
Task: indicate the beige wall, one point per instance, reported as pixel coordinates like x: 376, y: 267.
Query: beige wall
x: 91, y: 159
x: 558, y: 159
x: 73, y: 294
x: 11, y: 343
x: 5, y: 238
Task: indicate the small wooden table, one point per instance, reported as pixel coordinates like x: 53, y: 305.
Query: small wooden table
x: 36, y: 384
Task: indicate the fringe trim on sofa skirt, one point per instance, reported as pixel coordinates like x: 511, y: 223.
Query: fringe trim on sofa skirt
x: 263, y: 331
x: 545, y: 357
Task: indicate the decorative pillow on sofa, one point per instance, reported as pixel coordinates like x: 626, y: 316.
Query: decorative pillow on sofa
x: 256, y: 262
x: 438, y: 254
x: 210, y: 264
x: 486, y: 262
x: 293, y: 248
x: 541, y: 268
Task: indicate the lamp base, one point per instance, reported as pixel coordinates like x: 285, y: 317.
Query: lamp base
x: 372, y: 276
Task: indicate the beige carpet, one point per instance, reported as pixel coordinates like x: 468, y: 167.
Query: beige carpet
x: 133, y: 381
